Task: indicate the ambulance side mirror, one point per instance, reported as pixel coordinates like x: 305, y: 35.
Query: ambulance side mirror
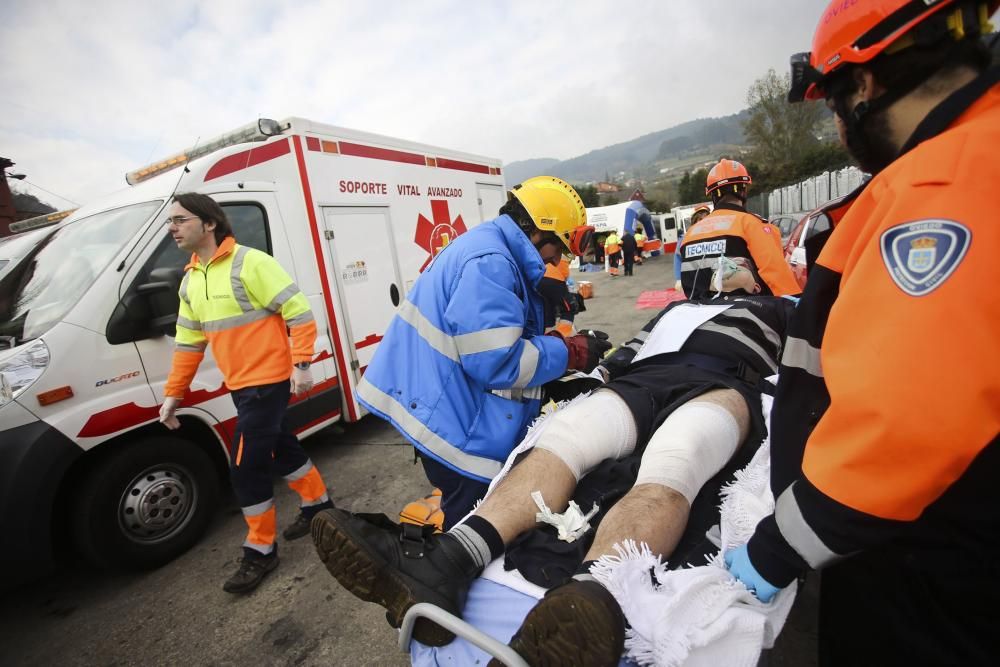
x: 148, y: 309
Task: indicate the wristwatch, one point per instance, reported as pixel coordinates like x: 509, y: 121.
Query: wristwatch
x: 303, y: 365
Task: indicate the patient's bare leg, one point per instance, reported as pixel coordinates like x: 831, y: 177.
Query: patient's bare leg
x: 688, y: 449
x: 510, y: 508
x: 574, y: 441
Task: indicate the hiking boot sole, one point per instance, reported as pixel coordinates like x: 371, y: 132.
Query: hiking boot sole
x: 582, y: 629
x: 367, y: 575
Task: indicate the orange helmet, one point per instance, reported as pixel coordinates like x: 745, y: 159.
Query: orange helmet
x: 856, y: 31
x: 726, y: 172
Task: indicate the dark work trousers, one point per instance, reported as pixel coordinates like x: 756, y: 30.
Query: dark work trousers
x: 916, y: 606
x: 614, y: 259
x: 459, y: 494
x: 263, y: 445
x: 629, y: 259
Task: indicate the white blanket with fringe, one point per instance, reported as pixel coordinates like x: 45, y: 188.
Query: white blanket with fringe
x: 700, y: 616
x: 694, y: 616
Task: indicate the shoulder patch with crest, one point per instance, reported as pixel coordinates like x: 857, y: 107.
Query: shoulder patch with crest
x: 921, y: 255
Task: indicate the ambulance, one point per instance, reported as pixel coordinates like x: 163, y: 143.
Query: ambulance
x: 87, y: 322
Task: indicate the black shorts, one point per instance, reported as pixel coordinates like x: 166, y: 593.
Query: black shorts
x: 652, y: 391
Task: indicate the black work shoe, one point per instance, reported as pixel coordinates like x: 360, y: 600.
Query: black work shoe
x: 252, y: 571
x: 298, y: 528
x: 579, y: 623
x: 395, y: 566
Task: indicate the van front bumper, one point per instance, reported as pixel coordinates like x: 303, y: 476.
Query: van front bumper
x: 34, y: 459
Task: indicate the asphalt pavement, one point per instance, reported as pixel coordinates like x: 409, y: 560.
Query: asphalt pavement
x: 179, y: 614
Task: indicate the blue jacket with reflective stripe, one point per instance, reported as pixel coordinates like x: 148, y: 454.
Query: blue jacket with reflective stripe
x: 459, y: 367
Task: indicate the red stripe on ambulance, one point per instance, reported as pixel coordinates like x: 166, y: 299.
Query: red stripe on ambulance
x: 240, y: 161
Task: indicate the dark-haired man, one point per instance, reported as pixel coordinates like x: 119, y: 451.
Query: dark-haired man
x: 242, y: 302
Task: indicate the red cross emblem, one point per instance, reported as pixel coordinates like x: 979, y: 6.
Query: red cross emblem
x: 431, y: 235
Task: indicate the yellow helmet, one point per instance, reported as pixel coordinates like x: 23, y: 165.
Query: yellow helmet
x: 554, y: 206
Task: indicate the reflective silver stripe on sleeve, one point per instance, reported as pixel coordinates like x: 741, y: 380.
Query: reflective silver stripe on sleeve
x: 183, y: 291
x: 301, y: 472
x: 281, y: 297
x: 528, y: 394
x: 633, y: 345
x: 488, y: 339
x: 300, y: 319
x: 436, y: 338
x: 236, y: 320
x: 797, y: 532
x: 415, y: 430
x: 527, y: 365
x: 800, y: 354
x: 641, y: 336
x: 184, y: 347
x: 259, y: 508
x: 188, y: 324
x: 239, y: 291
x: 770, y: 334
x: 736, y: 334
x: 499, y: 338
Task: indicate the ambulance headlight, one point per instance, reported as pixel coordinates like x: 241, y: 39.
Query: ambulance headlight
x: 20, y: 371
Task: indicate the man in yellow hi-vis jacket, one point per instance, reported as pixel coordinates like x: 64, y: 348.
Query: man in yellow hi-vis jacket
x: 240, y: 300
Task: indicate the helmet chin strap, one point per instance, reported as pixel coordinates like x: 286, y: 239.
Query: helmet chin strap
x: 858, y: 143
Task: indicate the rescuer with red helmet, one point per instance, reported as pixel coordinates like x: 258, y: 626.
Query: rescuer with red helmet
x: 730, y: 231
x: 884, y: 433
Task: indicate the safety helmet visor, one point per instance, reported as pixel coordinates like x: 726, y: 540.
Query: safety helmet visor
x: 805, y: 79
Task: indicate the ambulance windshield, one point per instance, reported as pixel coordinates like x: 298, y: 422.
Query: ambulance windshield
x: 38, y: 289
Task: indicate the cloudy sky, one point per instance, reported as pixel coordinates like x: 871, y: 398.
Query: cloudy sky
x: 91, y: 90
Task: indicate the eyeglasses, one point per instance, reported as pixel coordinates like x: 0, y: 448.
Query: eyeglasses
x: 180, y: 219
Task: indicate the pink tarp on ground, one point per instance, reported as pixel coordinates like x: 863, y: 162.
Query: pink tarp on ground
x: 654, y: 299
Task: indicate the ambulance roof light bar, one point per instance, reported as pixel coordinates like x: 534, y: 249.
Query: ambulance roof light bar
x: 258, y: 131
x: 40, y: 221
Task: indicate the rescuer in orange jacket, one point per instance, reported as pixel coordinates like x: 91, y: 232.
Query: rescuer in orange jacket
x: 242, y: 302
x: 885, y: 447
x: 731, y: 231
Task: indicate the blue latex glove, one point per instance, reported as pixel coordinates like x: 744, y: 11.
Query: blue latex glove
x: 740, y: 566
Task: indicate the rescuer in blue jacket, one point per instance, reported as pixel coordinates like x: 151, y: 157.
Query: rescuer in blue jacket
x: 461, y: 367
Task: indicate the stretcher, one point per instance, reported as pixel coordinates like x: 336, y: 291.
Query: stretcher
x: 498, y: 600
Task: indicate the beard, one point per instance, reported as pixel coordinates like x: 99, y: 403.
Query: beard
x: 870, y: 145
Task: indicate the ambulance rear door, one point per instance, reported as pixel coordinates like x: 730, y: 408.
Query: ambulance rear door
x: 366, y: 269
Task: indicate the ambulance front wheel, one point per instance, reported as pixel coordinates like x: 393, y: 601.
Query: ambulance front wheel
x: 145, y: 504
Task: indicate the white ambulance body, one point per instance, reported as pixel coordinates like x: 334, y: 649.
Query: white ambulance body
x: 682, y: 217
x: 353, y: 217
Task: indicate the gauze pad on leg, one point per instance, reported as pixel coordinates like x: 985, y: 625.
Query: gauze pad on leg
x: 590, y: 431
x: 689, y: 448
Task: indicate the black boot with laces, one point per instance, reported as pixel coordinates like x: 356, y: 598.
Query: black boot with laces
x: 396, y: 566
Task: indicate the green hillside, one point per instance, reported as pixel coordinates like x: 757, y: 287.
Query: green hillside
x: 659, y: 155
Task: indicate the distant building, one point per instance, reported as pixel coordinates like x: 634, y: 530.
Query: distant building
x: 604, y: 187
x: 638, y: 195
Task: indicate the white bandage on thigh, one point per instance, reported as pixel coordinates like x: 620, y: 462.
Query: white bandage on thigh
x: 691, y: 446
x: 587, y: 432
